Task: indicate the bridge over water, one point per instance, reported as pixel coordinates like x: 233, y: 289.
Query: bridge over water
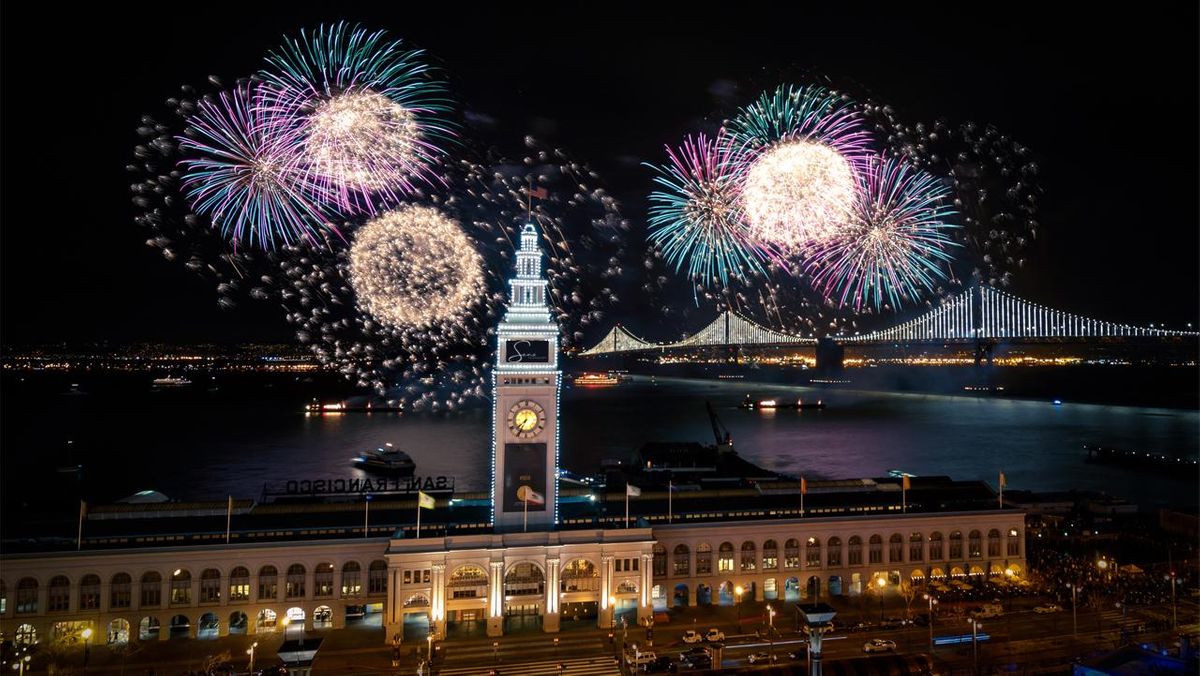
x: 978, y: 314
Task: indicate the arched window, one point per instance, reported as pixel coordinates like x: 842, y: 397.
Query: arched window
x: 467, y: 581
x: 749, y: 556
x: 151, y: 590
x: 916, y: 547
x: 956, y: 550
x: 660, y: 560
x: 89, y: 592
x: 1014, y: 542
x: 875, y: 549
x: 293, y: 585
x: 580, y: 575
x: 210, y: 585
x: 975, y: 544
x: 812, y: 550
x: 181, y: 587
x: 239, y: 584
x: 59, y: 597
x: 268, y: 583
x: 377, y: 577
x: 323, y: 580
x: 120, y: 591
x: 935, y: 546
x: 834, y: 557
x: 725, y: 557
x: 704, y: 559
x: 524, y: 579
x: 895, y: 548
x: 770, y: 556
x: 682, y: 560
x: 993, y: 542
x: 854, y: 554
x: 27, y: 596
x: 791, y: 553
x: 351, y: 579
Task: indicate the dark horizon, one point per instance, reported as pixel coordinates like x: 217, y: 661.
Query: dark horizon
x: 1104, y: 101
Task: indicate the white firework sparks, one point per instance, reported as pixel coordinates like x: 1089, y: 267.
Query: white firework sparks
x: 797, y: 193
x: 364, y: 141
x: 413, y: 267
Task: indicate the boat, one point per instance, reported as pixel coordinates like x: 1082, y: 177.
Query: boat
x: 771, y: 404
x: 597, y: 380
x: 385, y: 459
x: 171, y: 381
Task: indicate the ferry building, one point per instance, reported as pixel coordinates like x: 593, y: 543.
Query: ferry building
x: 533, y: 553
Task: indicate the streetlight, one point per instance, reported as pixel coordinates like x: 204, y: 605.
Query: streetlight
x: 87, y: 645
x: 1074, y: 611
x: 1171, y: 577
x: 250, y: 652
x: 932, y: 602
x: 880, y: 583
x: 612, y: 605
x: 19, y: 667
x: 738, y: 590
x: 429, y: 641
x: 976, y: 625
x: 496, y: 652
x: 770, y: 633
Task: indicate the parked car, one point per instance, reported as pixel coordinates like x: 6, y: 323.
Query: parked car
x: 639, y: 659
x: 714, y: 635
x: 696, y: 662
x: 893, y: 623
x: 862, y: 626
x: 987, y: 610
x: 1048, y: 608
x: 700, y: 651
x: 879, y: 645
x: 692, y: 636
x: 661, y: 664
x: 761, y: 657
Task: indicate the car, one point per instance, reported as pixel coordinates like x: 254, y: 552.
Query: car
x: 988, y: 610
x: 893, y: 623
x: 714, y: 635
x: 1048, y: 608
x: 660, y: 664
x: 879, y: 645
x: 696, y: 662
x: 692, y: 636
x: 640, y: 659
x: 862, y: 626
x: 761, y: 657
x: 698, y: 651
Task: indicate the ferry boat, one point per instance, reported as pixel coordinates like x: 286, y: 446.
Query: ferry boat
x: 769, y: 404
x: 171, y: 381
x: 385, y: 459
x: 597, y: 380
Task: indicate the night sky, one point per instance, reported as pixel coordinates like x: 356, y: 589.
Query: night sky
x: 1106, y: 100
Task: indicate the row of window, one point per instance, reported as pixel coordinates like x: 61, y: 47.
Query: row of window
x: 897, y: 547
x: 241, y: 587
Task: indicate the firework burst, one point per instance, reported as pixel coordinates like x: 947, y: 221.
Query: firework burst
x: 363, y: 109
x: 697, y: 218
x: 414, y: 267
x: 248, y: 181
x: 896, y: 248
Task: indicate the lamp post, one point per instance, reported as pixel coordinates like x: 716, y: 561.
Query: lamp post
x: 738, y: 592
x: 21, y: 663
x: 770, y: 633
x: 976, y: 625
x: 1174, y: 608
x: 932, y: 602
x: 429, y: 642
x: 880, y: 583
x: 1074, y: 610
x: 87, y: 646
x: 250, y: 652
x: 496, y: 652
x: 612, y: 605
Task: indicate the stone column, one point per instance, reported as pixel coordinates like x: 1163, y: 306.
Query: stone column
x: 645, y: 604
x: 605, y: 617
x: 437, y: 615
x: 106, y: 598
x: 495, y: 622
x: 551, y: 612
x: 392, y: 619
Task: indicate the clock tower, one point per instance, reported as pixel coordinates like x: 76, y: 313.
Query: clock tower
x: 525, y: 393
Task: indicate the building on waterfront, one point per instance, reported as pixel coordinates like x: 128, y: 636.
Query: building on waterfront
x: 523, y: 555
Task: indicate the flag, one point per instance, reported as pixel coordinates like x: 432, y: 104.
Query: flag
x: 803, y: 486
x: 1003, y: 481
x: 632, y: 490
x: 538, y: 193
x: 424, y: 500
x: 527, y: 494
x: 906, y: 484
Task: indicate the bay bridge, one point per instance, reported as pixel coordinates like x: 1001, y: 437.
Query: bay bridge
x: 979, y: 314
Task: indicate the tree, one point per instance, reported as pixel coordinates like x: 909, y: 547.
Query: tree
x: 211, y: 662
x: 908, y: 593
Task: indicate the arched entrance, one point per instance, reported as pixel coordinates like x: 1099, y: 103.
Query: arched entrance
x: 238, y: 622
x: 323, y: 617
x: 835, y: 585
x: 680, y: 598
x: 703, y: 595
x: 210, y: 627
x: 266, y: 621
x: 725, y: 596
x: 416, y: 618
x: 118, y: 632
x: 148, y: 629
x: 791, y: 589
x: 524, y: 591
x: 812, y: 589
x: 181, y: 627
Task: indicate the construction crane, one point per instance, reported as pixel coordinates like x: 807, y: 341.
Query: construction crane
x: 720, y: 433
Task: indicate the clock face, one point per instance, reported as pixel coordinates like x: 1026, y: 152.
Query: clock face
x: 526, y: 419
